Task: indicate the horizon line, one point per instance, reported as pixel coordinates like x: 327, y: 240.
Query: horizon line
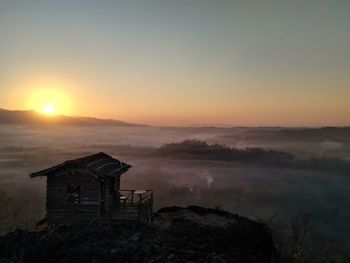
x: 193, y: 125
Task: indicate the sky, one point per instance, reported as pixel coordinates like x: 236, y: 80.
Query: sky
x: 183, y: 62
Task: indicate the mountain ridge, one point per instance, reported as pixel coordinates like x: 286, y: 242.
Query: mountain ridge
x: 31, y: 117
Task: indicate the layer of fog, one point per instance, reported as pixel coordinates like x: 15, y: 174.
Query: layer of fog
x: 249, y: 190
x: 61, y: 138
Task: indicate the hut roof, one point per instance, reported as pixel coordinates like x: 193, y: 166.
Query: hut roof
x: 99, y: 164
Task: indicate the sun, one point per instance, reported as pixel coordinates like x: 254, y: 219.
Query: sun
x: 50, y: 102
x: 49, y: 109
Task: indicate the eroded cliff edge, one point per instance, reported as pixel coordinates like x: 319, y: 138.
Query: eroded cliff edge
x: 192, y: 234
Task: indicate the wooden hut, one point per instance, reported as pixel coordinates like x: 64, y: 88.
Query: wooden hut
x: 87, y: 189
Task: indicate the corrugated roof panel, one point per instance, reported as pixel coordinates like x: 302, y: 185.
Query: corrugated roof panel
x: 100, y: 164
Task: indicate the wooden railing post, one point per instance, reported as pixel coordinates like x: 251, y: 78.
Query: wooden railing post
x: 132, y: 196
x: 142, y: 205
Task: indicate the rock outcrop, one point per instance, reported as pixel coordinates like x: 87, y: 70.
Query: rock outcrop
x: 192, y: 234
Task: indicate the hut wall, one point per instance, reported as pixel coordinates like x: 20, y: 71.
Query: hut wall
x: 112, y: 193
x: 73, y: 197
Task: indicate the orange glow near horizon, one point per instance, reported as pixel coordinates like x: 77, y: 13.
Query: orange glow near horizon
x: 49, y: 102
x: 53, y: 95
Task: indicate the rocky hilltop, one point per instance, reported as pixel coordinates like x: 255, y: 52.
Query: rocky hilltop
x: 192, y: 234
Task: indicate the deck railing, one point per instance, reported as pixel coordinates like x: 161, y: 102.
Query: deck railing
x: 138, y: 201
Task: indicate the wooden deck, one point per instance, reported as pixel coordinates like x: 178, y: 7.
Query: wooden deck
x: 136, y: 206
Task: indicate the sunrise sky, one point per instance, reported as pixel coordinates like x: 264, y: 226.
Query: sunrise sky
x: 182, y: 62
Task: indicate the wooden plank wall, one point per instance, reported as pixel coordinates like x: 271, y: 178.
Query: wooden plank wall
x: 60, y: 211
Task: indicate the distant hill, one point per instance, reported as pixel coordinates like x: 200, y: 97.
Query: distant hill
x: 322, y: 134
x: 30, y: 117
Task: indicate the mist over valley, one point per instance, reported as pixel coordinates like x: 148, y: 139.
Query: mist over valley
x: 260, y: 173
